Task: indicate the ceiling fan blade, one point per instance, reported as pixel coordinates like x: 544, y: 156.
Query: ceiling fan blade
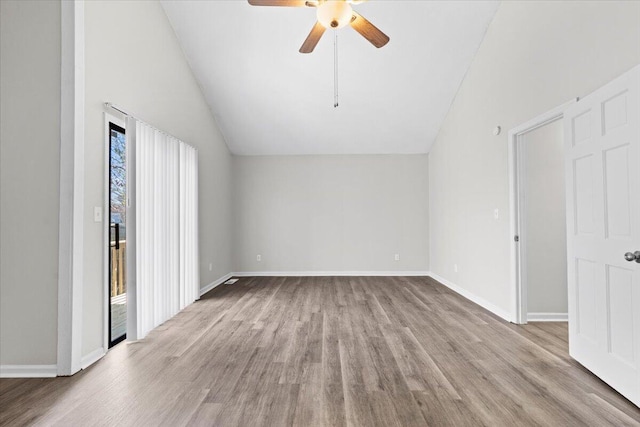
x: 313, y: 38
x: 368, y: 30
x: 289, y: 3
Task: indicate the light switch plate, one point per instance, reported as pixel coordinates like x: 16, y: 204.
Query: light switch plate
x: 97, y: 214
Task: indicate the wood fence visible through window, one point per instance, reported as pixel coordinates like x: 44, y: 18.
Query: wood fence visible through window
x: 118, y: 268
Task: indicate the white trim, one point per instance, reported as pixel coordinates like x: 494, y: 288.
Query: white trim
x: 547, y: 317
x: 106, y: 297
x: 92, y: 357
x: 71, y: 219
x: 327, y: 273
x: 518, y: 288
x: 215, y: 283
x: 28, y: 371
x: 473, y: 298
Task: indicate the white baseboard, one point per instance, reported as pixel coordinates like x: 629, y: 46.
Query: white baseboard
x: 327, y: 273
x: 92, y: 358
x: 215, y: 283
x: 473, y: 298
x: 28, y: 371
x: 547, y: 317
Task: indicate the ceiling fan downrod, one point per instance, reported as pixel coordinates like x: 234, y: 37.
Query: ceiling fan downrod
x: 335, y: 69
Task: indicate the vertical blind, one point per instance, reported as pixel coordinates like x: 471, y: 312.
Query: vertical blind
x: 189, y: 273
x: 163, y: 225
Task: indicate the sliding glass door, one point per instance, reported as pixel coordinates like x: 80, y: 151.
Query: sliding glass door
x: 118, y: 235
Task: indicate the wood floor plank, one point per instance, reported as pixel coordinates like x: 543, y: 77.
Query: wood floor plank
x: 328, y: 351
x: 333, y: 405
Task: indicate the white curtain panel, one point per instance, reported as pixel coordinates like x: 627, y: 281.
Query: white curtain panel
x: 162, y: 228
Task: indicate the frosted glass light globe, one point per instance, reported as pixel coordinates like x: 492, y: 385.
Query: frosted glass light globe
x: 334, y: 13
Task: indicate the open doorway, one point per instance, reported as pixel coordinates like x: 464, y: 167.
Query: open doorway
x: 117, y: 194
x: 538, y: 219
x: 543, y: 238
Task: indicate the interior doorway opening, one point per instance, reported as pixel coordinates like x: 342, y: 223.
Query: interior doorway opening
x: 543, y: 241
x: 538, y: 219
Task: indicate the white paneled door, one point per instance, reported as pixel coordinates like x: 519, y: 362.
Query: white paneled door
x: 602, y: 154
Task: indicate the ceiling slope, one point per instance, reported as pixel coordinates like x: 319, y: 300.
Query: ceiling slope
x: 269, y: 99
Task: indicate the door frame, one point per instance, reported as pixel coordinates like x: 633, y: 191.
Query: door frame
x: 71, y: 218
x: 108, y: 118
x: 518, y: 283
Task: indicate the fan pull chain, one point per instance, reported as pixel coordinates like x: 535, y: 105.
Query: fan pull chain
x: 335, y: 69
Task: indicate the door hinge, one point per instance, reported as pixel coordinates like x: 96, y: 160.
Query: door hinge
x: 516, y: 238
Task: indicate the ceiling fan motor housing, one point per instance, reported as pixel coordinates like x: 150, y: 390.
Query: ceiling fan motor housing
x: 334, y: 14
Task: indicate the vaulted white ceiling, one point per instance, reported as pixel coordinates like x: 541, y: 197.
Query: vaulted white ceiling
x: 270, y: 99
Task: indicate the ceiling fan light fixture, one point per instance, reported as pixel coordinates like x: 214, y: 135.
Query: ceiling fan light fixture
x: 334, y: 14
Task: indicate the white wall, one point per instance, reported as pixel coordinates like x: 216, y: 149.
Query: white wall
x: 29, y: 180
x: 545, y: 239
x: 133, y: 59
x: 535, y: 56
x: 331, y: 213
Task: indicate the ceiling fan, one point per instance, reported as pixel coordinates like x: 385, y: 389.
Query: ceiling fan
x: 332, y: 14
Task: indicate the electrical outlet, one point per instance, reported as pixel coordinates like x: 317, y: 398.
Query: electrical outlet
x: 455, y: 268
x: 397, y: 257
x: 258, y: 258
x: 496, y: 214
x: 210, y: 267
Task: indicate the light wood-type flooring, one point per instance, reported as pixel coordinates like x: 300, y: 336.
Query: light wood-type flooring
x: 328, y: 351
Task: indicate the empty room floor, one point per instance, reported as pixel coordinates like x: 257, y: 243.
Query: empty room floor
x: 332, y: 351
